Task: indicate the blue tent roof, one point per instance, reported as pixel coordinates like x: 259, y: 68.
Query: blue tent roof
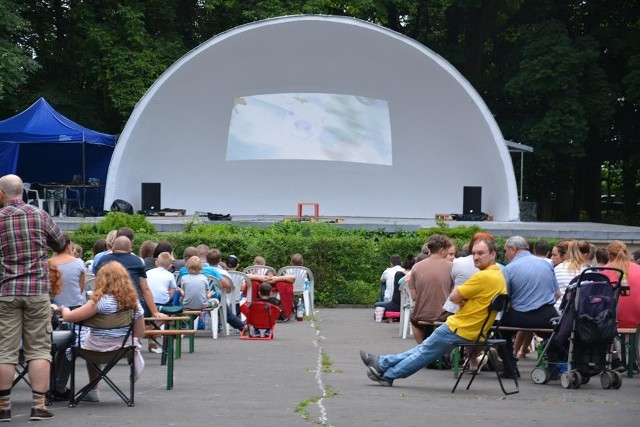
x: 40, y: 123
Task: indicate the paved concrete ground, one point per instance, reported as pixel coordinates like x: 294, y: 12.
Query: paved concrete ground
x: 274, y: 383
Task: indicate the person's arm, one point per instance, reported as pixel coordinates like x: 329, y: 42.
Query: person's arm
x: 138, y: 327
x: 290, y: 278
x: 89, y: 309
x: 148, y: 298
x: 456, y: 297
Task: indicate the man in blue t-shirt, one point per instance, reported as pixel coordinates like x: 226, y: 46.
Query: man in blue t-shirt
x: 532, y: 286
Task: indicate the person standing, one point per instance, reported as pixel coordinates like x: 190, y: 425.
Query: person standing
x: 25, y: 311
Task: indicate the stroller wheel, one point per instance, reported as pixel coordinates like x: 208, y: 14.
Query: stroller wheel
x: 576, y: 379
x: 585, y: 379
x: 617, y: 380
x: 607, y: 379
x: 565, y: 380
x: 540, y: 375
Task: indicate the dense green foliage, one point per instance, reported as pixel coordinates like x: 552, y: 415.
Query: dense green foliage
x: 563, y: 77
x: 346, y: 263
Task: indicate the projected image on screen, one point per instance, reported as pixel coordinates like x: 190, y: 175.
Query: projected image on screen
x: 310, y: 126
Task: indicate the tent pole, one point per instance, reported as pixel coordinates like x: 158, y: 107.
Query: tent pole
x: 84, y: 178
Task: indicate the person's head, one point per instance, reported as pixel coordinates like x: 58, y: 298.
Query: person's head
x: 76, y: 250
x: 484, y: 253
x: 146, y: 249
x: 425, y: 249
x: 264, y: 290
x: 203, y: 250
x: 113, y: 279
x: 618, y: 256
x: 162, y: 246
x: 636, y: 256
x: 232, y: 262
x: 111, y: 237
x: 66, y: 245
x: 164, y: 260
x: 476, y: 236
x: 189, y: 251
x: 451, y: 252
x: 541, y: 248
x: 515, y: 245
x: 194, y: 265
x: 213, y: 257
x: 296, y: 259
x: 408, y: 262
x: 10, y: 188
x: 122, y: 244
x: 126, y: 231
x: 259, y: 261
x: 395, y: 260
x: 559, y: 252
x: 439, y: 245
x: 576, y: 255
x: 99, y: 245
x: 602, y: 257
x: 421, y: 256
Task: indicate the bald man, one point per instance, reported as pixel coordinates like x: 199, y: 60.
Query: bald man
x: 25, y: 310
x: 121, y: 252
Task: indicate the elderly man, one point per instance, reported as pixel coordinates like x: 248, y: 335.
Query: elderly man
x: 473, y: 297
x: 122, y: 254
x: 533, y: 288
x: 25, y: 310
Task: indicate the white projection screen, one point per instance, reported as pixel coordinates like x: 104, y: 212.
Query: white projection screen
x: 333, y: 110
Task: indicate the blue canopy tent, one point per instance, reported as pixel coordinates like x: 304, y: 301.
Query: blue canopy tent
x: 41, y: 145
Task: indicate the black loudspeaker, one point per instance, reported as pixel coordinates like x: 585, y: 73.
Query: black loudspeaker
x: 151, y: 196
x: 471, y: 200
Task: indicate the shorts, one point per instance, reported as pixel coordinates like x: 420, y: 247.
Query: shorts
x: 29, y: 318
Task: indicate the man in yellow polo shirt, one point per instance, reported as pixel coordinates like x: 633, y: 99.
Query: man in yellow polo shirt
x: 473, y: 297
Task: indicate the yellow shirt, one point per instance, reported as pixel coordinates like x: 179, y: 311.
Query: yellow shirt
x: 479, y: 290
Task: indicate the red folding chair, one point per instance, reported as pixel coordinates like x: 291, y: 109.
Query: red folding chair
x: 261, y: 320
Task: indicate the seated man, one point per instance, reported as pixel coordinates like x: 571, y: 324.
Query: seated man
x: 473, y: 297
x: 533, y: 289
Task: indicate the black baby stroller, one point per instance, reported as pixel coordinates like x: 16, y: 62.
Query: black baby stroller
x: 581, y: 344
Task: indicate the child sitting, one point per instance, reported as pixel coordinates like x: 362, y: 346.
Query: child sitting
x: 195, y: 289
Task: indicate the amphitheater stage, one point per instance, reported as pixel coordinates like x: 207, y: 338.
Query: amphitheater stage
x: 593, y: 232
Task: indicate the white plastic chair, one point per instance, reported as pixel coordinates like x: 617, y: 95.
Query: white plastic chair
x: 259, y: 270
x: 239, y: 278
x: 406, y: 305
x: 299, y: 288
x: 33, y: 195
x: 218, y: 314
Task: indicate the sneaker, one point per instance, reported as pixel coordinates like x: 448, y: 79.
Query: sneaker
x: 60, y: 396
x: 91, y: 396
x: 371, y: 361
x: 40, y: 414
x: 375, y: 377
x: 156, y: 350
x: 5, y: 415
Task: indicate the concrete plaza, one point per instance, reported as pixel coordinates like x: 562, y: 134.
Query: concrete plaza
x: 311, y: 373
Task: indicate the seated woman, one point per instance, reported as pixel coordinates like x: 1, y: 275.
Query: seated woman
x: 113, y: 292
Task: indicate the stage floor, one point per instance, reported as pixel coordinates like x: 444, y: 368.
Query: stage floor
x: 593, y: 232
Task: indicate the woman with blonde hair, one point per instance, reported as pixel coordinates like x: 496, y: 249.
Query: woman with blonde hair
x: 628, y: 306
x: 113, y: 291
x: 574, y: 263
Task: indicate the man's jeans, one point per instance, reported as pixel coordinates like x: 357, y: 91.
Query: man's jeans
x: 402, y: 365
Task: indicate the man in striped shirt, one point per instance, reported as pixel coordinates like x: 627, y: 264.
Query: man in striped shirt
x: 25, y: 312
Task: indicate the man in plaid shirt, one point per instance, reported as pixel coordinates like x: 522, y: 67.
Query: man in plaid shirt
x: 25, y: 310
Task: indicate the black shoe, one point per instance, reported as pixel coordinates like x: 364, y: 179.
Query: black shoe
x: 507, y: 374
x: 618, y: 366
x: 38, y: 414
x: 371, y: 361
x: 5, y: 415
x: 375, y: 377
x: 60, y: 396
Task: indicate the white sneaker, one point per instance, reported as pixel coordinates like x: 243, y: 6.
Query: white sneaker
x: 156, y: 350
x: 92, y: 396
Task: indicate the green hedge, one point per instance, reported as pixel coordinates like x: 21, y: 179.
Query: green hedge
x: 346, y: 263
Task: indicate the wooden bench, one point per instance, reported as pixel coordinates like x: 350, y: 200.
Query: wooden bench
x: 168, y: 337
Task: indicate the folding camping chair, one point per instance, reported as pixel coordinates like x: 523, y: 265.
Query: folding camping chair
x: 106, y: 359
x: 261, y: 320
